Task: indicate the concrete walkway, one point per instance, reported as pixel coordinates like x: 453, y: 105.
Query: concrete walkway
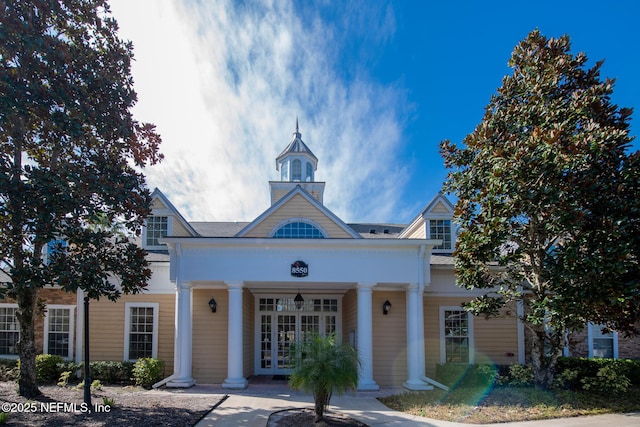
x: 253, y: 406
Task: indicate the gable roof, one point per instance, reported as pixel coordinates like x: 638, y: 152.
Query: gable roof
x: 437, y: 204
x: 298, y: 190
x: 157, y: 194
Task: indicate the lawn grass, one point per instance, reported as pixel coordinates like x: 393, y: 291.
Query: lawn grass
x: 481, y: 405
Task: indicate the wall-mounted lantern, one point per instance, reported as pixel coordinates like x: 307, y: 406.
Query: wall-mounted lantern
x: 213, y: 305
x: 386, y: 307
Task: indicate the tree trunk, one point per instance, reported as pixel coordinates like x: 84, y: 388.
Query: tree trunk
x: 27, y: 299
x: 321, y: 401
x: 543, y: 360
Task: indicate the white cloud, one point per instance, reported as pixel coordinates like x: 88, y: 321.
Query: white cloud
x: 224, y: 82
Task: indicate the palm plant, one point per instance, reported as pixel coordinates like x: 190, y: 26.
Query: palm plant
x: 322, y: 366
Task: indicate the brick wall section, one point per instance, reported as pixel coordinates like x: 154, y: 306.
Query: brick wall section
x: 628, y: 347
x: 49, y: 296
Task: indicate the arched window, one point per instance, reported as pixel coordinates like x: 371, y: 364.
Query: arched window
x: 298, y: 230
x: 284, y: 171
x: 296, y: 170
x: 309, y: 176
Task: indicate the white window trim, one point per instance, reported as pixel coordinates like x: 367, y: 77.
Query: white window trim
x: 71, y: 309
x: 443, y: 347
x: 428, y: 220
x: 10, y: 356
x: 169, y: 232
x: 590, y: 332
x: 127, y: 326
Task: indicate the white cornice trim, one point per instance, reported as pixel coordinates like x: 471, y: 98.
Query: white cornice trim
x: 299, y: 243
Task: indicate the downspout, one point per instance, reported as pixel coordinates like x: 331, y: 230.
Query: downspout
x: 421, y: 284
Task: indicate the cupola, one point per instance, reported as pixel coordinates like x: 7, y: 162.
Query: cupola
x: 297, y: 166
x: 297, y: 163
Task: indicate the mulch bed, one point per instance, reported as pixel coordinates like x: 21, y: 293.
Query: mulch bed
x: 133, y: 406
x: 305, y: 418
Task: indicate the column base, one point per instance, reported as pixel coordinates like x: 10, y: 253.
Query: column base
x: 235, y: 383
x: 368, y: 386
x: 181, y: 383
x: 416, y: 385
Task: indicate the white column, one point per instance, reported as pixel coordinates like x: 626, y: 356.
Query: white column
x: 414, y: 382
x: 365, y: 337
x: 235, y: 379
x: 182, y: 353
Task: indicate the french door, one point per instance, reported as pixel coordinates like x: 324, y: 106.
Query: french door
x: 280, y: 324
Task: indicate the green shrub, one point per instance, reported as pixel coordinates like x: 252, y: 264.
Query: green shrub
x: 147, y: 371
x: 49, y: 367
x: 518, y: 376
x: 64, y: 378
x: 110, y: 372
x: 4, y: 417
x: 598, y: 375
x: 108, y: 402
x: 607, y: 380
x: 567, y: 379
x: 96, y: 385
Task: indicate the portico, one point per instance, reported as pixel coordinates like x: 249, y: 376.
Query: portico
x: 257, y: 276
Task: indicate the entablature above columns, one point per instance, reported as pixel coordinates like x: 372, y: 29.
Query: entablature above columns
x: 269, y: 260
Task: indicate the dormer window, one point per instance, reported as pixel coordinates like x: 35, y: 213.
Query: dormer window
x: 441, y: 229
x: 157, y: 228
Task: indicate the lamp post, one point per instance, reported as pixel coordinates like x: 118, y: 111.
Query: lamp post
x: 87, y: 373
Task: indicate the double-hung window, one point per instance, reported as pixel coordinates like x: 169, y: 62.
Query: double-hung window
x: 456, y: 336
x: 602, y: 344
x: 9, y: 331
x: 141, y: 330
x: 58, y: 330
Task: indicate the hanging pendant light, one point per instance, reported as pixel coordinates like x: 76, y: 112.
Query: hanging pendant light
x: 299, y: 301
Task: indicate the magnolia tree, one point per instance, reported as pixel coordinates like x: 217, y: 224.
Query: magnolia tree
x: 548, y: 206
x: 70, y: 157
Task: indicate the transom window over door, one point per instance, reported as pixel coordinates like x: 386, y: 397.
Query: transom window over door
x: 456, y: 334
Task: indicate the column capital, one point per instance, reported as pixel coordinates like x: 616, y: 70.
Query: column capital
x: 365, y: 285
x: 239, y: 284
x: 184, y: 286
x: 412, y: 286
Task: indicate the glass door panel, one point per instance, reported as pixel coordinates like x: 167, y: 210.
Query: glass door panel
x: 265, y: 342
x: 285, y: 336
x: 309, y: 326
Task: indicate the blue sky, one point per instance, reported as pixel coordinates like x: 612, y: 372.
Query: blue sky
x: 376, y: 86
